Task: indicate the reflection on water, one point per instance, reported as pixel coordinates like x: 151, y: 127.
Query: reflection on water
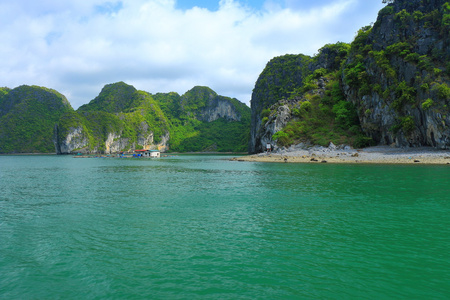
x: 206, y: 227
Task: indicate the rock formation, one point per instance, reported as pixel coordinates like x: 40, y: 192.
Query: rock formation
x: 395, y: 74
x: 122, y: 118
x: 403, y: 91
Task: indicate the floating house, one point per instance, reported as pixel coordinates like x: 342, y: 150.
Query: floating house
x: 147, y: 153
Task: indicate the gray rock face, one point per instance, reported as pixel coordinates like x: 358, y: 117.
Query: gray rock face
x: 281, y: 75
x: 114, y: 143
x: 379, y: 115
x: 415, y: 23
x: 285, y: 71
x: 217, y: 108
x: 276, y: 122
x: 76, y: 141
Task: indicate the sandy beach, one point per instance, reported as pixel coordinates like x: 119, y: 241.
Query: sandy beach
x: 371, y: 155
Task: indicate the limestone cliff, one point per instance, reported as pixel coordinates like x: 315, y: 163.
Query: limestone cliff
x: 397, y: 75
x: 76, y: 140
x: 207, y: 106
x: 389, y: 86
x: 122, y: 118
x: 73, y: 140
x: 279, y: 77
x: 281, y: 87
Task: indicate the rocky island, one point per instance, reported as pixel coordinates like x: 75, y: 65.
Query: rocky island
x: 390, y: 86
x: 121, y: 118
x: 389, y: 89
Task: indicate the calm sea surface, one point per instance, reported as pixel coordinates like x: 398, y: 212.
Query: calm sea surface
x: 203, y: 227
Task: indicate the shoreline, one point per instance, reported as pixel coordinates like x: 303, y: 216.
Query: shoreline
x: 370, y: 155
x: 26, y: 154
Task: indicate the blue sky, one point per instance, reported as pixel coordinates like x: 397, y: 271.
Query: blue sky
x: 254, y: 4
x: 76, y: 47
x: 213, y: 5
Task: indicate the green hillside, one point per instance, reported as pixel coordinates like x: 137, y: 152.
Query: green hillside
x: 164, y: 120
x: 28, y: 115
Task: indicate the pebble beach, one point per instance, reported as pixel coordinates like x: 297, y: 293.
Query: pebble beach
x: 370, y: 155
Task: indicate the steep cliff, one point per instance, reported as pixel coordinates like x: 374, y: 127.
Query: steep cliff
x: 205, y: 105
x: 286, y: 87
x: 391, y: 85
x: 27, y: 118
x: 397, y: 74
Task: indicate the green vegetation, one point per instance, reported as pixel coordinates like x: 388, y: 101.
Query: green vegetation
x: 27, y: 118
x: 427, y: 104
x: 443, y: 91
x: 361, y: 39
x: 385, y: 11
x: 404, y: 95
x: 114, y: 98
x: 324, y: 119
x: 189, y: 132
x: 446, y: 16
x: 403, y: 17
x: 217, y: 136
x: 396, y: 71
x: 280, y: 78
x: 123, y: 110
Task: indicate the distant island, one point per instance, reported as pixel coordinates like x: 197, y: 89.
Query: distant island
x: 40, y: 120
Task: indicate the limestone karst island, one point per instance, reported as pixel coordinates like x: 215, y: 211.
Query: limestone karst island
x: 389, y: 87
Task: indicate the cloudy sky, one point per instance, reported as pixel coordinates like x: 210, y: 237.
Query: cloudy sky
x: 78, y: 46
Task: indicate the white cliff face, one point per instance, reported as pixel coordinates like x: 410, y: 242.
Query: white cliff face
x: 163, y: 145
x: 147, y: 142
x: 276, y: 122
x: 114, y: 143
x: 75, y: 140
x: 219, y: 108
x: 146, y: 139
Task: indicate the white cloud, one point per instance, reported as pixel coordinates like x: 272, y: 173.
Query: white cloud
x: 76, y: 47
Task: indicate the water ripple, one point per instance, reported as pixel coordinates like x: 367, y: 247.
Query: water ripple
x: 204, y: 227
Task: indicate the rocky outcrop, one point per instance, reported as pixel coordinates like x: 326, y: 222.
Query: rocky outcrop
x: 281, y: 77
x: 275, y: 123
x: 403, y: 95
x: 396, y: 73
x: 219, y: 107
x: 115, y: 143
x: 280, y: 74
x: 207, y: 106
x: 75, y: 141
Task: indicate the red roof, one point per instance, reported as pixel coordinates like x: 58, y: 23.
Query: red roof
x: 140, y: 150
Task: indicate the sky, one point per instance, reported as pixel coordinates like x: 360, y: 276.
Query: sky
x: 76, y: 47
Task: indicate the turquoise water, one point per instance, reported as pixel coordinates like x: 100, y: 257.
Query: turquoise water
x: 203, y: 227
